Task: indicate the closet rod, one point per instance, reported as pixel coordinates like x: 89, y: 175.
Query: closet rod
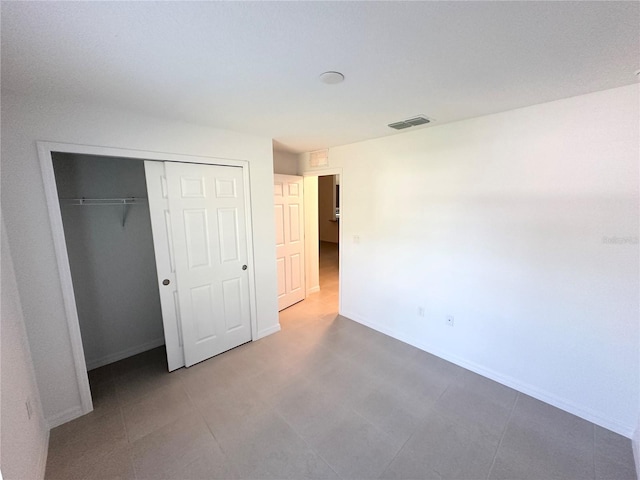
x: 123, y: 202
x: 102, y: 201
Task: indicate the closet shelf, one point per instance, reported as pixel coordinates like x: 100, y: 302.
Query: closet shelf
x: 124, y: 202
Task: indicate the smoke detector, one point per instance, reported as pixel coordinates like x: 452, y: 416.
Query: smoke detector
x: 410, y: 122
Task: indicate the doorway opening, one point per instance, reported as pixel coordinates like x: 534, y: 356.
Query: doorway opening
x: 322, y: 230
x: 329, y: 237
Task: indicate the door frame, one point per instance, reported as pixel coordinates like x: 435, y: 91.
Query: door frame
x: 322, y: 173
x: 45, y: 151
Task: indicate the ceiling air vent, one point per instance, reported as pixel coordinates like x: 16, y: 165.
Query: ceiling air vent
x: 319, y: 158
x: 411, y: 122
x: 400, y: 125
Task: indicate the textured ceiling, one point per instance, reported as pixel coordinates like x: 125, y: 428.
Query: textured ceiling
x: 253, y: 66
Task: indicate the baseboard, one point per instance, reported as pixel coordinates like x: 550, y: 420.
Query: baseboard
x: 114, y: 357
x: 312, y: 290
x: 65, y: 416
x: 511, y: 382
x: 268, y: 331
x: 44, y: 452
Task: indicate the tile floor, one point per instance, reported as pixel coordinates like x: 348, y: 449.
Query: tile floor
x: 324, y: 398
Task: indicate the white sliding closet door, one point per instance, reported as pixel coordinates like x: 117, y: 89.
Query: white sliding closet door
x: 208, y: 238
x: 289, y: 211
x: 165, y: 261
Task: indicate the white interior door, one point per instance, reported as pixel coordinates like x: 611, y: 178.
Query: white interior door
x: 204, y: 215
x: 165, y: 262
x: 289, y: 210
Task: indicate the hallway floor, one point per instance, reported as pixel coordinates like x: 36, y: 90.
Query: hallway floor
x: 324, y: 398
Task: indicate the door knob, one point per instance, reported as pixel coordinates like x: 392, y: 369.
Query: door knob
x: 166, y: 281
x: 244, y: 267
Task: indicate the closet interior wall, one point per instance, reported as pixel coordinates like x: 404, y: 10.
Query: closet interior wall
x: 112, y: 265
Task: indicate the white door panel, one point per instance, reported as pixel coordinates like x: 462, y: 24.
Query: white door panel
x: 289, y: 239
x: 209, y: 236
x: 165, y: 262
x: 199, y: 230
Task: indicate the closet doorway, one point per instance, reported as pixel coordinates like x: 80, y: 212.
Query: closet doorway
x: 111, y: 233
x: 109, y: 242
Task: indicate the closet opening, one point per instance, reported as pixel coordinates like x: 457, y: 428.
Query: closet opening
x: 109, y: 241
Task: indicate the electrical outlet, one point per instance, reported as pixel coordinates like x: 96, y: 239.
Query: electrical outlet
x: 29, y: 409
x: 450, y: 320
x: 356, y: 239
x: 421, y: 311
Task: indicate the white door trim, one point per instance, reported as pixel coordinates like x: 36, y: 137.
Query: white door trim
x: 45, y: 150
x: 343, y: 215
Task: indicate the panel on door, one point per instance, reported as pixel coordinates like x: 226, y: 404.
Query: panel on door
x: 206, y: 203
x: 165, y: 262
x: 289, y: 211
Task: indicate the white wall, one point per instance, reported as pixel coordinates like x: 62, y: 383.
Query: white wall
x: 26, y: 120
x: 506, y: 222
x: 285, y: 163
x: 23, y: 441
x: 112, y: 266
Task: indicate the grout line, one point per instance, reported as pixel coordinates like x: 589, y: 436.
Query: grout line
x: 400, y: 449
x: 504, y: 430
x: 198, y: 411
x: 126, y: 432
x: 304, y: 440
x: 444, y: 391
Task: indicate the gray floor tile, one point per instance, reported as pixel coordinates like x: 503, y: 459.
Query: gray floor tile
x: 267, y: 447
x: 155, y: 411
x: 307, y: 408
x: 347, y: 382
x: 210, y: 380
x: 86, y: 436
x: 184, y: 448
x: 393, y: 412
x: 426, y: 382
x: 451, y: 450
x: 608, y: 470
x: 230, y: 412
x: 143, y: 381
x: 521, y: 469
x: 478, y: 401
x: 325, y: 398
x: 542, y: 441
x: 106, y: 464
x: 405, y: 467
x: 613, y: 456
x: 353, y: 446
